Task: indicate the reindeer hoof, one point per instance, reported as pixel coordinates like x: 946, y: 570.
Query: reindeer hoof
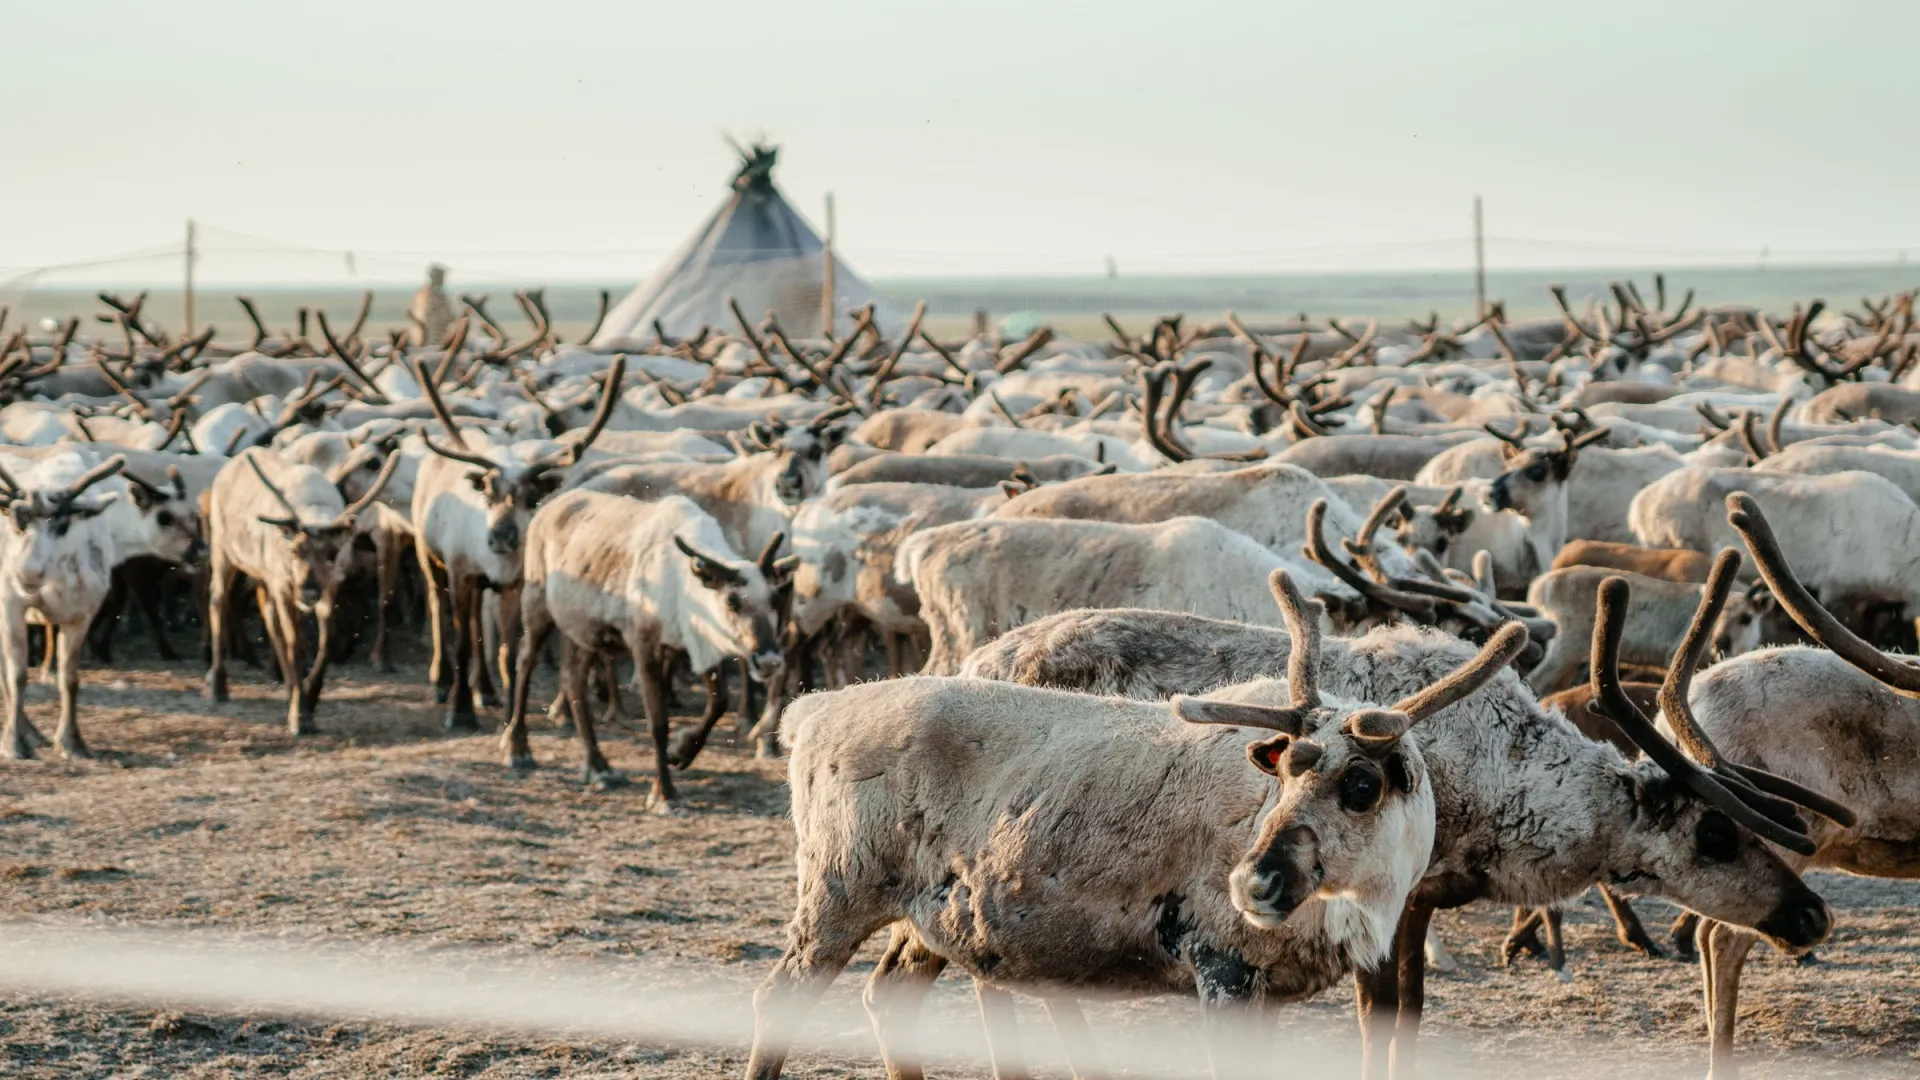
x: 519, y: 762
x: 459, y: 721
x: 74, y: 748
x: 768, y: 749
x: 18, y: 748
x: 664, y: 805
x: 1563, y: 975
x: 605, y: 779
x: 441, y: 694
x: 215, y: 691
x: 685, y: 748
x: 1807, y: 959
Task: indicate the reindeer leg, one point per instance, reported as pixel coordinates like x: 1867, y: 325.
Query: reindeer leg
x: 73, y: 638
x: 436, y: 584
x: 107, y: 620
x: 1227, y: 987
x: 687, y: 745
x: 1083, y: 1054
x: 894, y: 996
x: 1556, y: 945
x: 1410, y: 947
x: 299, y: 719
x: 386, y: 550
x: 510, y: 632
x: 479, y: 626
x: 49, y: 634
x: 274, y: 621
x: 513, y: 740
x: 13, y: 686
x: 1683, y: 935
x: 1627, y: 925
x: 219, y: 580
x: 146, y: 593
x: 460, y: 715
x: 652, y: 675
x: 308, y: 698
x: 895, y: 648
x: 1723, y: 953
x: 1003, y: 1032
x: 747, y: 693
x: 820, y: 943
x: 597, y: 773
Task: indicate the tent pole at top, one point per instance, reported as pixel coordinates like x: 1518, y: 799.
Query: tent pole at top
x: 826, y: 277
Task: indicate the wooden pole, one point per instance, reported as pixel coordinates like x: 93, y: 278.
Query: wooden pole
x: 186, y: 296
x: 1479, y: 263
x: 826, y: 276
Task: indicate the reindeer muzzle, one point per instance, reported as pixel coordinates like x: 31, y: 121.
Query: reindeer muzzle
x: 1800, y: 921
x: 1266, y: 888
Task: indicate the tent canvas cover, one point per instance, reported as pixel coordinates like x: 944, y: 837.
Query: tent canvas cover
x: 755, y: 249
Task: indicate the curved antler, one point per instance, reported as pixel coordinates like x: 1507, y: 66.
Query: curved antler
x: 1611, y: 700
x: 1743, y: 513
x: 253, y: 460
x: 366, y: 498
x: 609, y: 397
x: 1318, y: 550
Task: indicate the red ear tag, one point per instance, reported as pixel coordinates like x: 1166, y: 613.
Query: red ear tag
x: 1273, y: 756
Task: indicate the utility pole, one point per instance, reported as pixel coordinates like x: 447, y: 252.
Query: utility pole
x: 826, y: 276
x: 1479, y: 263
x: 186, y: 296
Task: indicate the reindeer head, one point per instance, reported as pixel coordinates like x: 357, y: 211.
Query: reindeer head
x: 1355, y: 817
x: 745, y: 602
x: 1434, y: 528
x: 802, y: 451
x: 173, y: 515
x: 318, y: 554
x: 1740, y: 628
x: 42, y: 520
x: 1537, y: 475
x: 1702, y: 824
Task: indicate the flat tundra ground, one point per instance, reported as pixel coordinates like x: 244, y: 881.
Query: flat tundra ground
x: 384, y: 829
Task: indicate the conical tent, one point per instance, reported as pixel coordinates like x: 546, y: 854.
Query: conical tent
x: 756, y: 249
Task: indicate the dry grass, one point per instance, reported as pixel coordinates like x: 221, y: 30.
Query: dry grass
x: 383, y: 828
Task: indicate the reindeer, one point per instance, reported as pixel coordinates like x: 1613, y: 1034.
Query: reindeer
x: 1655, y: 625
x: 599, y: 569
x: 1198, y: 903
x: 289, y: 529
x: 56, y: 560
x: 1842, y: 718
x: 1500, y: 761
x: 1532, y: 494
x: 470, y: 513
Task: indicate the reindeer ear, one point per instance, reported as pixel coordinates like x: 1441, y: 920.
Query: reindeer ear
x: 1508, y: 451
x: 144, y: 498
x: 478, y: 481
x: 1266, y: 755
x: 1398, y: 775
x: 22, y: 515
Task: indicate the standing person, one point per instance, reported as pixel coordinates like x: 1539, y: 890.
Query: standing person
x: 431, y: 313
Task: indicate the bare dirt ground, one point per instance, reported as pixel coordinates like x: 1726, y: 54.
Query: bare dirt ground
x: 385, y: 829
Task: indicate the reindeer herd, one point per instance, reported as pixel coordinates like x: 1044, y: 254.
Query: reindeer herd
x: 1217, y: 658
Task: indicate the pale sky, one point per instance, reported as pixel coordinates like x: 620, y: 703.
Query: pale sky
x: 582, y: 138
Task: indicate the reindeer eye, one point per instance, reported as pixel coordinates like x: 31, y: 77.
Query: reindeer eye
x: 1717, y: 837
x: 733, y: 603
x: 1359, y: 790
x: 163, y: 519
x: 1536, y: 471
